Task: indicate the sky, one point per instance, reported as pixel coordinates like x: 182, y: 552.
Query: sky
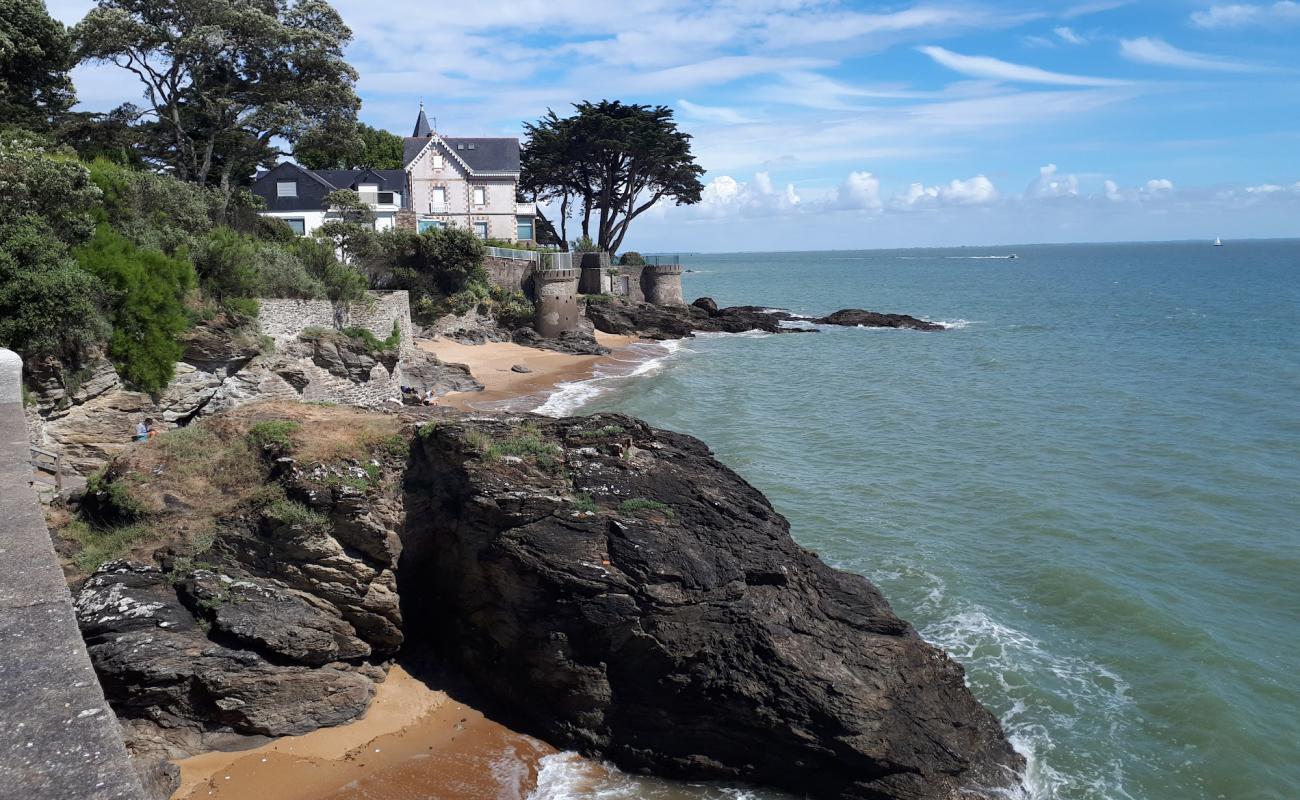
x: 841, y: 125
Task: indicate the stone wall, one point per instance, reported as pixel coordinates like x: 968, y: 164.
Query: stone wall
x: 59, y: 739
x: 662, y: 284
x: 284, y: 318
x: 511, y: 274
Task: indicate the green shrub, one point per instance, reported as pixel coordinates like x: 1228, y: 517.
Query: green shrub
x: 108, y: 500
x: 289, y: 512
x: 148, y: 315
x: 98, y: 545
x: 527, y: 445
x: 583, y: 502
x: 273, y: 434
x: 632, y: 259
x: 226, y: 265
x: 427, y: 429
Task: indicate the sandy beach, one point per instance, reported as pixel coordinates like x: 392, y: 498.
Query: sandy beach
x: 414, y: 741
x: 490, y: 363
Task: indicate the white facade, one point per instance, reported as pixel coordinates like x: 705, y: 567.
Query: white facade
x: 306, y: 222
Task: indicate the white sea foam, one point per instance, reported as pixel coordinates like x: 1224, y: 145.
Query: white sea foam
x: 1040, y: 691
x: 636, y: 361
x: 569, y: 776
x: 952, y: 324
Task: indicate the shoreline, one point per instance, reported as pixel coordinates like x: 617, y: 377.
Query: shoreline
x: 415, y: 740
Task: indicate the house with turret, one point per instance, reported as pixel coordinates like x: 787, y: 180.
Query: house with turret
x: 466, y: 182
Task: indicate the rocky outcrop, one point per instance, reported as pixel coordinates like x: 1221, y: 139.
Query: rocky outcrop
x: 577, y: 343
x: 856, y: 317
x: 615, y: 589
x: 89, y: 415
x: 277, y: 625
x: 615, y: 315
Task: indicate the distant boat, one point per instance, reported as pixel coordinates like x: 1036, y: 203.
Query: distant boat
x: 1218, y: 242
x: 1013, y: 255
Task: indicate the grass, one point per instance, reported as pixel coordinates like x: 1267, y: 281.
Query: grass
x: 637, y: 506
x: 289, y: 512
x: 274, y: 434
x: 117, y: 503
x: 528, y: 445
x: 427, y: 429
x: 97, y: 545
x: 583, y: 502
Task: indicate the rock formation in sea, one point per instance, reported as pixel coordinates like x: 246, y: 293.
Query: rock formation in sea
x: 605, y: 585
x: 856, y: 317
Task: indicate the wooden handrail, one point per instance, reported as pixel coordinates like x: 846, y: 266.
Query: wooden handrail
x: 45, y: 466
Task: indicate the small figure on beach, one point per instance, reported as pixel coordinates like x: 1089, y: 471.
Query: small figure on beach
x: 150, y: 429
x: 429, y: 398
x: 142, y: 430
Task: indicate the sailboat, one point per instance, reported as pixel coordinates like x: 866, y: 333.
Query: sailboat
x: 1218, y: 242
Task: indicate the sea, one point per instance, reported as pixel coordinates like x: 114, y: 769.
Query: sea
x: 1086, y: 489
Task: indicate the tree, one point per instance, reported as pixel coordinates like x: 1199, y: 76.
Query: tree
x: 226, y: 266
x: 35, y: 56
x: 349, y: 145
x: 615, y: 160
x: 112, y: 135
x: 352, y: 228
x: 224, y: 78
x: 147, y: 306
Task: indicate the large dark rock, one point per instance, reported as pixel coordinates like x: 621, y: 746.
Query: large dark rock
x: 853, y: 317
x: 222, y: 345
x: 577, y: 343
x: 615, y: 315
x: 166, y: 662
x: 617, y: 590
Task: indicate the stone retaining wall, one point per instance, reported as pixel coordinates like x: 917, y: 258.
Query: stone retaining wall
x: 58, y: 737
x: 284, y: 318
x: 511, y: 274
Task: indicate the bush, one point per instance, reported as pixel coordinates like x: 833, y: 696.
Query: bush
x: 281, y: 273
x: 632, y: 259
x: 583, y: 245
x: 634, y: 507
x: 147, y: 306
x: 289, y: 512
x: 273, y: 434
x: 98, y: 545
x: 342, y: 283
x: 226, y: 265
x: 154, y: 210
x: 108, y: 500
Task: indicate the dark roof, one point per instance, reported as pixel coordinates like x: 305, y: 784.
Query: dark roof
x: 422, y: 129
x: 314, y: 185
x: 483, y: 154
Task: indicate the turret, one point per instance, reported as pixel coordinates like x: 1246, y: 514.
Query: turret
x: 556, y: 289
x: 662, y: 284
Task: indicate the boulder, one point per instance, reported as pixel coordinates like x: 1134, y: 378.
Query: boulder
x: 222, y: 345
x: 520, y: 368
x: 578, y: 343
x: 855, y: 317
x: 620, y: 592
x: 616, y: 315
x: 707, y: 305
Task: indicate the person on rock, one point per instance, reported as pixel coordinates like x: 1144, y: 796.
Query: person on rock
x: 150, y: 430
x: 142, y: 430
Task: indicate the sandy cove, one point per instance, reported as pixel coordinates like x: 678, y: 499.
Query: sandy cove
x: 414, y: 741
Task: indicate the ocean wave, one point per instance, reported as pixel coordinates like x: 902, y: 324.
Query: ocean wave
x: 1036, y: 691
x: 953, y: 324
x: 644, y: 359
x: 569, y: 776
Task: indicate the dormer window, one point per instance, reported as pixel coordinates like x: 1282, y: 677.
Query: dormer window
x: 286, y: 188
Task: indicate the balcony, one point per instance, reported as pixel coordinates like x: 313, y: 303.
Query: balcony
x: 526, y: 209
x: 382, y: 201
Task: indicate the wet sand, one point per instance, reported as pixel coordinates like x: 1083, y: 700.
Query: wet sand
x: 414, y: 742
x: 490, y: 363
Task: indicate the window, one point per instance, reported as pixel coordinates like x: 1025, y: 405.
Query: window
x: 480, y: 230
x: 437, y: 161
x: 480, y: 195
x: 425, y: 224
x: 524, y: 229
x: 297, y: 224
x: 438, y: 199
x: 286, y: 189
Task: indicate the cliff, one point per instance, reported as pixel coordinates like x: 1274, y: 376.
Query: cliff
x: 604, y: 585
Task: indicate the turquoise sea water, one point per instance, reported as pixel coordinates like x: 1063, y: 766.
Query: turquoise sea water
x: 1088, y: 490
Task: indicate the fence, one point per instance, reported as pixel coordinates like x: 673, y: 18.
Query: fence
x: 555, y: 260
x: 46, y: 461
x: 663, y: 260
x: 512, y: 254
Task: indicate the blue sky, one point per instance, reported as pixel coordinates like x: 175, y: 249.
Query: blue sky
x: 844, y: 125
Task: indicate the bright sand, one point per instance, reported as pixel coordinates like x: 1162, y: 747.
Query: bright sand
x: 414, y: 741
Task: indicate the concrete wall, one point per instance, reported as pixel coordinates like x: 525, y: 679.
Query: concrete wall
x: 663, y: 285
x: 557, y: 302
x: 58, y: 737
x: 284, y: 318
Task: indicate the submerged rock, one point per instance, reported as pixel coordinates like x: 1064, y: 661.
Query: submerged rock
x: 853, y: 317
x: 615, y: 315
x: 614, y: 589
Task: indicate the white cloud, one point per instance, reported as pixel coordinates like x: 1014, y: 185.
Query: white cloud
x: 1238, y: 15
x: 997, y: 69
x: 1049, y: 184
x: 978, y: 190
x: 860, y: 190
x: 1112, y: 191
x: 1093, y: 8
x: 726, y: 196
x: 1152, y: 50
x: 1266, y: 188
x: 1068, y: 35
x: 1158, y: 186
x: 719, y: 114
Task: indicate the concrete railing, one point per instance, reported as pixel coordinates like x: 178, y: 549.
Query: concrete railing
x: 58, y: 737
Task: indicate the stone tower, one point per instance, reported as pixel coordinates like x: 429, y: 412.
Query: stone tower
x: 663, y: 284
x: 557, y: 301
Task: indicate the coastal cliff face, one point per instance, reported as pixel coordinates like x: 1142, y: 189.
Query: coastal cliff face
x: 615, y: 589
x: 605, y: 585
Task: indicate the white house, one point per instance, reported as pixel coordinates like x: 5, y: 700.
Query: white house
x: 296, y: 194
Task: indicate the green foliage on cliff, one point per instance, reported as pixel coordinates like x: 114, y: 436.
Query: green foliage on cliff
x: 146, y: 290
x: 274, y: 434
